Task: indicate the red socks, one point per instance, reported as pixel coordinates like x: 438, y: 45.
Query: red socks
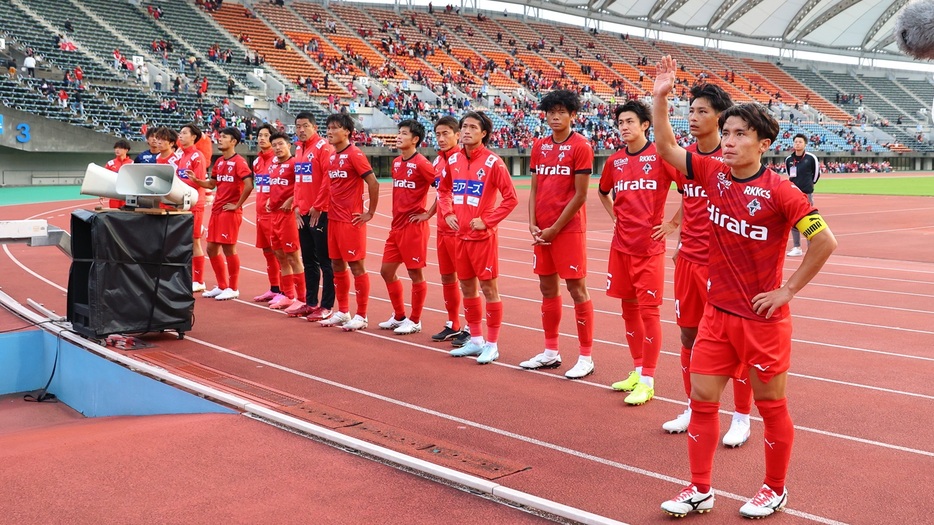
x: 272, y: 268
x: 494, y: 320
x: 779, y: 435
x: 652, y: 322
x: 361, y: 285
x: 288, y: 286
x: 473, y: 313
x: 396, y: 298
x: 703, y: 436
x: 220, y: 271
x: 298, y: 279
x: 233, y: 269
x: 551, y: 321
x: 635, y: 331
x: 583, y: 314
x: 686, y: 370
x: 342, y: 290
x: 452, y: 303
x: 197, y: 269
x: 419, y: 292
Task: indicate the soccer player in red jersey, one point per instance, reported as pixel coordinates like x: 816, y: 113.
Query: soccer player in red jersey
x: 467, y: 198
x: 233, y: 181
x: 640, y: 180
x: 447, y: 134
x: 746, y: 323
x: 412, y: 176
x: 312, y: 156
x: 284, y: 228
x: 121, y: 150
x: 707, y: 102
x: 561, y: 166
x: 191, y: 165
x: 264, y: 158
x: 348, y: 171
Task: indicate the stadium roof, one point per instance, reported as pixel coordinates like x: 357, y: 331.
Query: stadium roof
x: 852, y: 27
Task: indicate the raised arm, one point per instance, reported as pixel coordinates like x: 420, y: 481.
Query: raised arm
x: 666, y: 73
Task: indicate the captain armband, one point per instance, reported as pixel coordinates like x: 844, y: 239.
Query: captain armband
x: 811, y: 225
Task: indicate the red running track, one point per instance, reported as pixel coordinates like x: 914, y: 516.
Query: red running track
x: 859, y: 393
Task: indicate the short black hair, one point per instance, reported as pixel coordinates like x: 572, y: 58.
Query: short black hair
x: 268, y: 127
x: 342, y: 120
x: 718, y: 99
x: 164, y: 133
x: 233, y: 133
x: 800, y: 136
x: 151, y: 131
x: 568, y: 99
x: 448, y: 121
x: 486, y: 124
x: 307, y: 115
x: 122, y: 144
x: 415, y: 128
x: 634, y: 106
x: 194, y: 129
x: 756, y: 116
x: 278, y: 135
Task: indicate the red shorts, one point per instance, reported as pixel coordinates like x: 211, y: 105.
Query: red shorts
x: 408, y: 245
x: 346, y: 242
x: 566, y: 256
x: 690, y: 292
x: 198, y: 216
x: 224, y: 226
x: 730, y: 345
x: 447, y: 254
x: 263, y: 230
x: 640, y: 278
x: 284, y: 235
x: 478, y: 259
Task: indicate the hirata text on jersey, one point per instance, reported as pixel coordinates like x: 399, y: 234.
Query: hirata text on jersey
x: 638, y: 184
x: 553, y: 170
x: 737, y: 226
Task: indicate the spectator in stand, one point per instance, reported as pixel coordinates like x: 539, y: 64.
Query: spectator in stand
x: 803, y: 169
x: 29, y: 64
x: 157, y: 84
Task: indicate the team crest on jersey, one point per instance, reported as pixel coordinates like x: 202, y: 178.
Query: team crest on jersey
x: 753, y: 207
x: 481, y: 173
x: 560, y: 156
x: 647, y: 168
x: 723, y: 182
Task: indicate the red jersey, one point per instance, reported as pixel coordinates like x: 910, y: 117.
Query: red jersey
x: 312, y: 158
x: 469, y: 191
x: 695, y: 222
x: 441, y: 166
x: 751, y: 220
x: 115, y: 164
x: 555, y: 167
x: 641, y: 182
x: 229, y: 174
x: 281, y: 182
x: 192, y: 159
x: 346, y: 171
x: 261, y: 165
x: 411, y: 179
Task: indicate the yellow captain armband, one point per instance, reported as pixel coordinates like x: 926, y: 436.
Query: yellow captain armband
x: 811, y: 225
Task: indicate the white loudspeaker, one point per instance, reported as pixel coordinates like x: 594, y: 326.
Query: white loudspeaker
x: 156, y: 180
x: 100, y: 182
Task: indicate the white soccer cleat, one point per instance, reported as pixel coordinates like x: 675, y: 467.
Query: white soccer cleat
x: 541, y: 361
x: 678, y: 424
x: 408, y: 327
x: 227, y: 295
x: 738, y: 432
x: 357, y: 323
x: 392, y: 323
x: 197, y: 287
x: 336, y: 319
x: 211, y: 294
x: 583, y: 368
x: 688, y: 501
x: 765, y: 503
x: 796, y: 252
